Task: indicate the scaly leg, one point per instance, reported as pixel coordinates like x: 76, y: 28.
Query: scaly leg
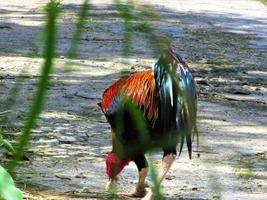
x: 142, y: 166
x: 166, y: 164
x: 140, y: 190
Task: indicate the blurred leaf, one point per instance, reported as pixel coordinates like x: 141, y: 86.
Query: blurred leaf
x: 264, y: 2
x: 6, y: 143
x: 5, y: 112
x: 8, y: 191
x: 143, y: 27
x: 130, y: 111
x: 125, y: 10
x: 155, y: 182
x: 80, y: 26
x: 139, y: 120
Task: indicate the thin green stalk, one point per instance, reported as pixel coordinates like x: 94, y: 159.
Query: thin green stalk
x: 79, y: 29
x: 159, y: 42
x: 139, y: 123
x: 155, y: 181
x: 37, y: 104
x: 72, y: 52
x: 126, y: 14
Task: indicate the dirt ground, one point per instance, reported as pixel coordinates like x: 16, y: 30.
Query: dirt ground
x: 225, y: 44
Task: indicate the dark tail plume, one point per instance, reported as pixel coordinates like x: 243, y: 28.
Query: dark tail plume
x: 176, y: 89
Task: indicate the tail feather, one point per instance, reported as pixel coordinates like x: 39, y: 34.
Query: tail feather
x: 189, y: 145
x: 176, y: 89
x: 182, y: 145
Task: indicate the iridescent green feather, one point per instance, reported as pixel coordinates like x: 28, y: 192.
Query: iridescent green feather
x: 176, y: 89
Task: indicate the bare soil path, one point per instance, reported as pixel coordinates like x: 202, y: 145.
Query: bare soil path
x: 224, y: 42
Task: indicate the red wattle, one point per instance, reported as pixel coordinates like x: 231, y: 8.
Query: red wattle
x: 114, y: 165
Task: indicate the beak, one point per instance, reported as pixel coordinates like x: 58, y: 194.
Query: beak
x: 110, y: 185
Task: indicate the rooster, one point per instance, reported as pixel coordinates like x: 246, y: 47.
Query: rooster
x: 150, y: 109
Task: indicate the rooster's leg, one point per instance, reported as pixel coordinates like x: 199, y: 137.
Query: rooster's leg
x: 166, y: 164
x: 142, y: 166
x: 167, y: 161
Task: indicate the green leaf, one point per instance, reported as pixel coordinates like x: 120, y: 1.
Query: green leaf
x: 1, y: 139
x: 9, y: 145
x: 8, y: 190
x: 5, y: 112
x: 6, y: 143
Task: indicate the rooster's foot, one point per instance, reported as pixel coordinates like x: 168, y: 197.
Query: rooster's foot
x: 149, y: 195
x: 138, y: 193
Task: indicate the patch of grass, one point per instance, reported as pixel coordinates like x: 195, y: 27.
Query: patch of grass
x: 246, y: 169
